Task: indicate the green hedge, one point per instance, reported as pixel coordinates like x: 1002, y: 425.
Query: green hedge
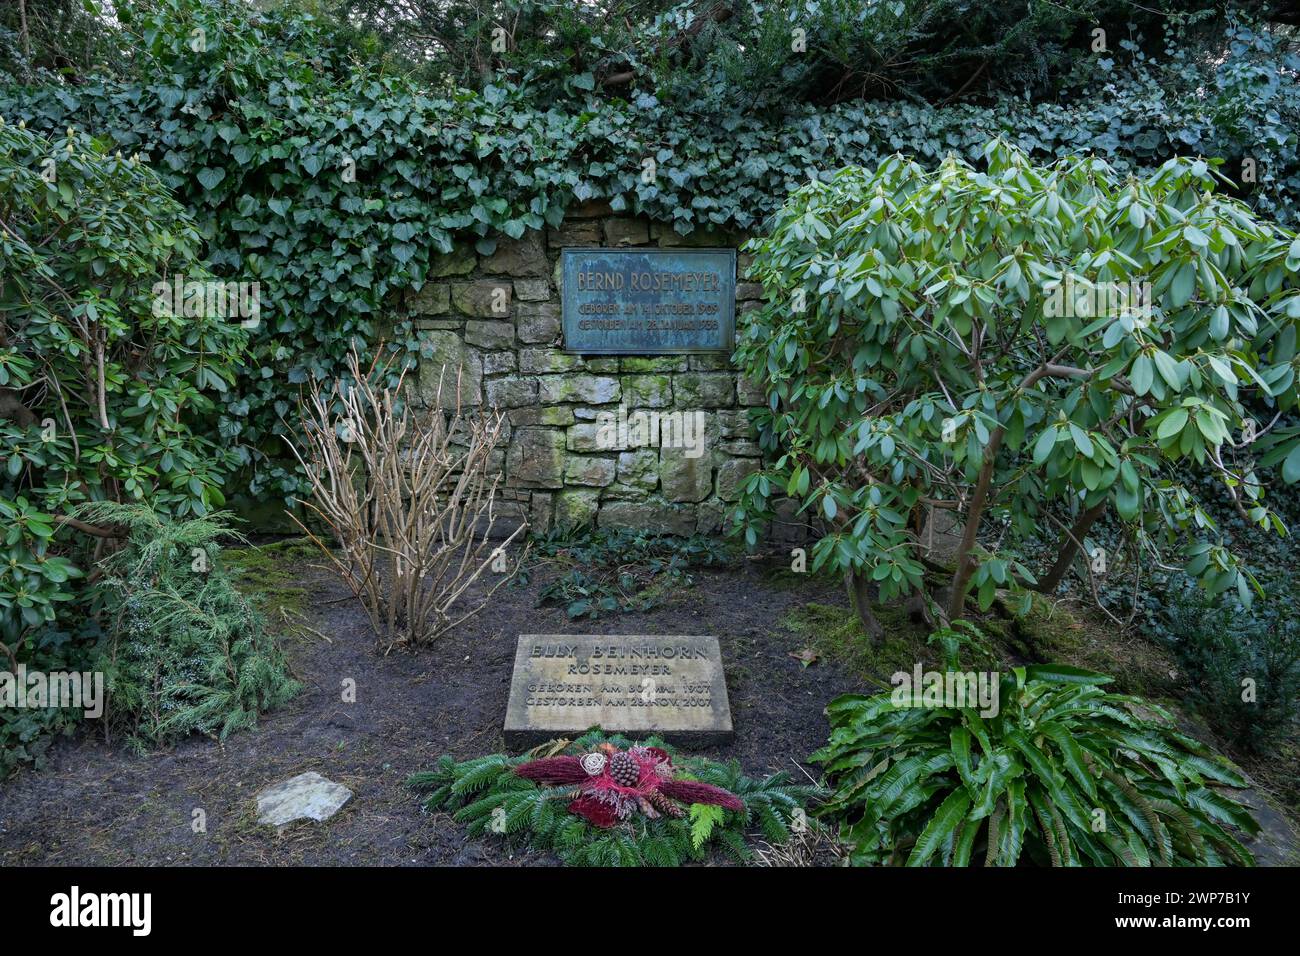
x: 253, y: 130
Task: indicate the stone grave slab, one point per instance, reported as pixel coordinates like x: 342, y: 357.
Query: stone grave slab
x: 564, y: 684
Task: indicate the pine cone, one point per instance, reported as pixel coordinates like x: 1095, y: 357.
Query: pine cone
x: 664, y: 805
x: 623, y: 770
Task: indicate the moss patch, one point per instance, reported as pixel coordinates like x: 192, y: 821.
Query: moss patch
x: 835, y: 632
x: 1062, y: 633
x: 270, y: 575
x: 1051, y: 632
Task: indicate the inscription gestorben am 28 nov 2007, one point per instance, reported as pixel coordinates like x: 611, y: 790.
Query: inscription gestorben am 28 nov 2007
x: 672, y: 686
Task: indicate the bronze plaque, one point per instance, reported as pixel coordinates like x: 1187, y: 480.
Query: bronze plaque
x: 649, y: 301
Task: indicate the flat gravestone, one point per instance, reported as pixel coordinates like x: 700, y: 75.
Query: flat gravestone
x: 564, y: 684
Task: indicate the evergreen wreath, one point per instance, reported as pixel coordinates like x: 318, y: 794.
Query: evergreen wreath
x: 604, y: 800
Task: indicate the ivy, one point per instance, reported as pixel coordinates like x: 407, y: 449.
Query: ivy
x: 337, y: 184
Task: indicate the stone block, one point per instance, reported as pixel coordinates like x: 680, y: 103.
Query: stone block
x: 538, y: 322
x: 490, y: 335
x: 578, y: 387
x: 434, y: 298
x: 710, y: 362
x: 532, y: 290
x: 749, y: 392
x: 447, y: 350
x: 494, y: 363
x: 459, y: 262
x: 735, y: 423
x: 308, y: 796
x: 710, y: 517
x: 484, y: 299
x: 651, y: 515
x: 586, y: 233
x: 536, y: 361
x: 731, y: 474
x: 555, y: 416
x: 626, y: 232
x: 596, y: 472
x: 699, y: 237
x: 657, y: 363
x: 586, y: 436
x: 536, y: 458
x: 617, y: 707
x: 575, y: 508
x: 740, y: 447
x: 639, y: 468
x: 647, y: 391
x: 704, y: 390
x: 525, y: 256
x: 511, y: 392
x: 683, y: 478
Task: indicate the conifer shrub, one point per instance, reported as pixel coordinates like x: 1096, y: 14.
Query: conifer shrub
x: 1242, y: 664
x: 185, y: 652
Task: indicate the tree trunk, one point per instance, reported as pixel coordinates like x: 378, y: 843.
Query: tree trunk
x: 863, y: 592
x: 979, y: 498
x: 1069, y: 547
x: 965, y: 563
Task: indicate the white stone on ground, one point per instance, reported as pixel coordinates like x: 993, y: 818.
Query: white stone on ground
x: 308, y: 796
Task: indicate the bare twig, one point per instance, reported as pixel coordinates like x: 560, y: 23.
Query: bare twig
x: 409, y: 496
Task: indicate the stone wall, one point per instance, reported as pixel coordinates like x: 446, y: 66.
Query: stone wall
x: 497, y: 318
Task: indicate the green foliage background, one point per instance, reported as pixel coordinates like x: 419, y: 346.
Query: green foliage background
x: 248, y: 118
x: 101, y: 396
x: 252, y: 132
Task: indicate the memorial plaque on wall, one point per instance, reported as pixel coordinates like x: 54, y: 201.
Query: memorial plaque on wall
x: 649, y: 301
x: 564, y: 684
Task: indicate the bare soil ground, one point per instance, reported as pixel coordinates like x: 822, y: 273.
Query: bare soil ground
x: 99, y: 804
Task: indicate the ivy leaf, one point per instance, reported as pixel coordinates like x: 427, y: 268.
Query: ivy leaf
x: 211, y: 177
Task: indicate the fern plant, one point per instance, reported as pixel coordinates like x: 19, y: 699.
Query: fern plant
x: 1064, y: 774
x: 186, y: 653
x: 488, y: 796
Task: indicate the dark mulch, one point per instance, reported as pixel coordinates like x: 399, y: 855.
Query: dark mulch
x: 99, y: 804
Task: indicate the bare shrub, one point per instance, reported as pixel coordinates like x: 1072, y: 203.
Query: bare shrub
x: 409, y: 496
